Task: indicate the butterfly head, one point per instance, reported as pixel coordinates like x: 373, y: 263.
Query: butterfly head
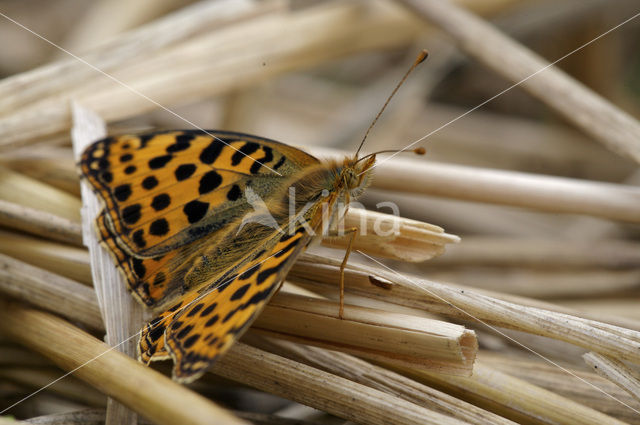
x: 355, y: 176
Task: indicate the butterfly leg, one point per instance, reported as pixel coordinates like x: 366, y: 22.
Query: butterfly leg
x: 353, y: 231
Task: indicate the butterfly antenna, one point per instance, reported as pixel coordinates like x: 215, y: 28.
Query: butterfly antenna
x: 421, y: 57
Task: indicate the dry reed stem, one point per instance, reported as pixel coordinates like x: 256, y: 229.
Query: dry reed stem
x: 555, y: 379
x: 31, y: 193
x: 538, y: 192
x: 370, y: 333
x: 13, y: 355
x: 97, y: 417
x: 61, y: 259
x: 185, y: 73
x: 534, y: 191
x: 49, y: 291
x: 461, y: 302
x: 107, y: 370
x: 616, y: 372
x: 513, y: 398
x: 313, y: 387
x: 122, y: 315
x: 591, y: 113
x: 373, y: 376
x: 70, y: 387
x: 558, y: 150
x: 52, y: 165
x: 540, y: 253
x: 626, y: 307
x: 415, y: 341
x: 62, y: 77
x: 545, y: 284
x: 40, y: 223
x: 390, y: 236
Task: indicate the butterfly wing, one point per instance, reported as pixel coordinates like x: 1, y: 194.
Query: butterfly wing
x: 201, y: 327
x: 165, y: 191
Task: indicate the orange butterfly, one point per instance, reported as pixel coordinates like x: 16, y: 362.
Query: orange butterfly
x: 180, y: 223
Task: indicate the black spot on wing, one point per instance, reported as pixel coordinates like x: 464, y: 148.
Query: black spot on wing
x: 239, y: 293
x: 266, y: 273
x: 131, y: 214
x: 107, y: 177
x: 138, y: 238
x: 211, y: 152
x: 212, y: 321
x: 185, y: 171
x: 283, y: 251
x: 183, y: 142
x: 149, y: 182
x: 159, y: 227
x: 250, y: 272
x: 195, y: 210
x: 209, y: 182
x: 159, y: 161
x: 161, y: 201
x: 208, y: 310
x: 122, y: 192
x: 195, y: 310
x: 155, y: 329
x: 190, y: 341
x: 246, y: 150
x: 130, y: 169
x: 268, y: 157
x: 145, y: 139
x: 234, y: 193
x: 138, y: 267
x: 184, y: 331
x: 280, y: 162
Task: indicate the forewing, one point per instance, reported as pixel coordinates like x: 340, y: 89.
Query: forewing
x: 164, y: 190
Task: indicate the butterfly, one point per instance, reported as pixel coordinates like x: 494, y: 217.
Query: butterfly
x: 204, y: 226
x: 175, y: 222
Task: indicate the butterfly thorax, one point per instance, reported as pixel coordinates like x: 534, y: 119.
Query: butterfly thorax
x: 324, y: 191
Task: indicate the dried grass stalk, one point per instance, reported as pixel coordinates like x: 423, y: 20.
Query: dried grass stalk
x: 70, y: 387
x: 542, y: 253
x: 62, y: 77
x: 31, y: 193
x: 109, y: 371
x: 373, y: 376
x: 616, y: 372
x: 534, y: 191
x: 49, y: 291
x: 52, y: 165
x: 61, y: 259
x: 513, y: 398
x: 185, y: 73
x: 588, y: 392
x: 594, y: 115
x: 122, y: 315
x: 370, y: 333
x: 40, y: 223
x: 322, y: 390
x: 97, y: 417
x: 461, y: 302
x: 543, y: 193
x: 390, y: 236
